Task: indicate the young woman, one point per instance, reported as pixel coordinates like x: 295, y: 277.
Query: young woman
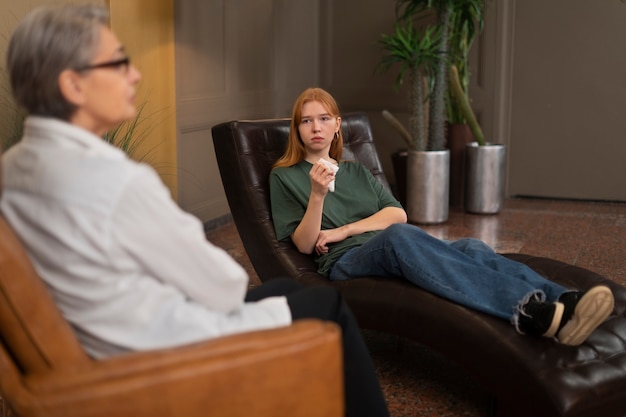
x: 128, y: 269
x: 359, y: 229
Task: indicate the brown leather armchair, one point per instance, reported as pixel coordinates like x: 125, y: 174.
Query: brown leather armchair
x: 526, y: 376
x: 290, y: 371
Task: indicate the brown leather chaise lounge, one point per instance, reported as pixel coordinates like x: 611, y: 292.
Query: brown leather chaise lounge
x: 44, y: 371
x: 526, y: 376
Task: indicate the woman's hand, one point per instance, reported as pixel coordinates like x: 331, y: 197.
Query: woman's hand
x: 321, y: 176
x: 329, y: 236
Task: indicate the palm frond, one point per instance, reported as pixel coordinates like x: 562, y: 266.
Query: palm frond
x: 12, y: 120
x: 409, y: 48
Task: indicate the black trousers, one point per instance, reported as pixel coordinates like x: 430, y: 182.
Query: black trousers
x: 363, y: 394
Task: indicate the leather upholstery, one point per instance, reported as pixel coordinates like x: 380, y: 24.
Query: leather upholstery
x: 527, y: 376
x: 294, y: 371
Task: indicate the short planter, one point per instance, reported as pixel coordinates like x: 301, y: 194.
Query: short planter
x: 484, y: 178
x: 427, y: 192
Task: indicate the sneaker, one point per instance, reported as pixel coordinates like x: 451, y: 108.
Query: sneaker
x: 571, y: 319
x: 539, y: 318
x: 583, y: 313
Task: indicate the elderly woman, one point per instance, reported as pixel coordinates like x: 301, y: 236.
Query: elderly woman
x: 129, y: 269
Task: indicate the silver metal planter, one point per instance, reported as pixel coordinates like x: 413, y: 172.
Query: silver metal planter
x: 484, y: 178
x: 427, y: 178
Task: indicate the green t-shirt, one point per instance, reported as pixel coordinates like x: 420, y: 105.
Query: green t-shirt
x: 357, y: 195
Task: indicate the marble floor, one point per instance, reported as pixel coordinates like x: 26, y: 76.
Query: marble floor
x: 418, y: 382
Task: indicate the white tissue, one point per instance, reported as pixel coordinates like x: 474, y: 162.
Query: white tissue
x: 335, y: 168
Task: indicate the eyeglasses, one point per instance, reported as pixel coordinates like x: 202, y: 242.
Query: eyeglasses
x: 122, y: 63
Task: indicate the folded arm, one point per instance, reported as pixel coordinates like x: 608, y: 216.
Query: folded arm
x: 309, y: 236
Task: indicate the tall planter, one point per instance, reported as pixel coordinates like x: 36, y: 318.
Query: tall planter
x: 484, y: 178
x: 427, y: 193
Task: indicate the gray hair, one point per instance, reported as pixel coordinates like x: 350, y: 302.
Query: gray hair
x: 48, y: 41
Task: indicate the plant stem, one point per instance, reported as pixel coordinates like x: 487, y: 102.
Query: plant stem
x: 395, y: 123
x: 464, y: 105
x: 436, y: 128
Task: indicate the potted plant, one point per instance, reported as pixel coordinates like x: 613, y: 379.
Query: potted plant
x: 417, y: 52
x: 482, y: 177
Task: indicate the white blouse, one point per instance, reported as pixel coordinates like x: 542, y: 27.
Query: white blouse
x: 127, y: 267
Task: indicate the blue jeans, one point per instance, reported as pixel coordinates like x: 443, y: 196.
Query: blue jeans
x: 466, y: 271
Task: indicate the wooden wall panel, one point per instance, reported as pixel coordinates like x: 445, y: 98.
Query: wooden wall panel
x: 568, y: 99
x: 236, y: 59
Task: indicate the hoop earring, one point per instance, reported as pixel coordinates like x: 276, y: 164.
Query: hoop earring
x: 336, y: 135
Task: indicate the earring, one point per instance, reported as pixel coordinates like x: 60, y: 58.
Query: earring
x: 336, y: 134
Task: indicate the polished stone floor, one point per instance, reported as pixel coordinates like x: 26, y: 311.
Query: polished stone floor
x: 418, y: 382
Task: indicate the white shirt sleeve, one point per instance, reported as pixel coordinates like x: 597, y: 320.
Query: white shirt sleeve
x: 171, y: 245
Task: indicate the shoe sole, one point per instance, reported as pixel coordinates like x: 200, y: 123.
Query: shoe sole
x: 591, y: 311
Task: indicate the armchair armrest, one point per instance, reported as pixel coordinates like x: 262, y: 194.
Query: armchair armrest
x: 295, y: 371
